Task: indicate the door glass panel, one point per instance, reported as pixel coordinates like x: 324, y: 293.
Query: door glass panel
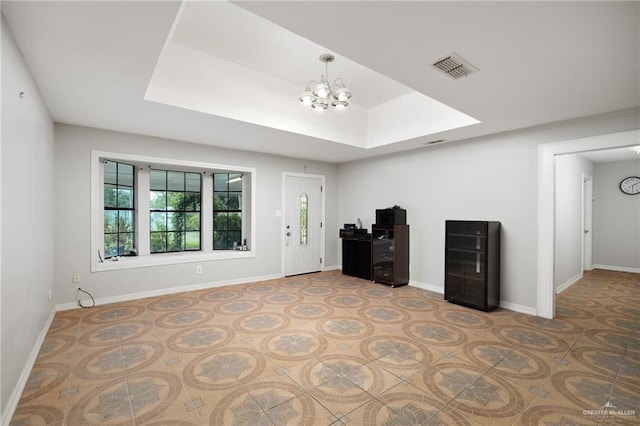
x: 304, y: 219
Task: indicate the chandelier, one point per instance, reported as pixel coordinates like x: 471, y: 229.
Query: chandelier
x: 323, y: 92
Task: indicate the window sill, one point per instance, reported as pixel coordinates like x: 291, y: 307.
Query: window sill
x: 146, y: 261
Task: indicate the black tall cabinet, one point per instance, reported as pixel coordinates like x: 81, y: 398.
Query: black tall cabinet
x: 390, y: 254
x: 472, y: 263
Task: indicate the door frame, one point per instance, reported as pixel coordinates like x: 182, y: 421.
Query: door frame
x: 545, y: 306
x: 283, y: 221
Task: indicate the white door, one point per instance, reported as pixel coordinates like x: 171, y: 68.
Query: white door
x: 587, y: 222
x: 303, y: 224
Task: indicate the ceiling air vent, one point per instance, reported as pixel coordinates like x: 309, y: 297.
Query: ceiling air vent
x: 432, y: 142
x: 454, y: 66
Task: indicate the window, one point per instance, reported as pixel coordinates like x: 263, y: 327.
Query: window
x: 304, y: 219
x: 174, y: 206
x: 227, y: 211
x: 119, y: 213
x: 149, y: 211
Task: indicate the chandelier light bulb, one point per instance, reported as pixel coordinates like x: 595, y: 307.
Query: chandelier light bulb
x: 307, y: 97
x: 340, y: 104
x: 322, y: 90
x: 342, y: 94
x: 319, y: 105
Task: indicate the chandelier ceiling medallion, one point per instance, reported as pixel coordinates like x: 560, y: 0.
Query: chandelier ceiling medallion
x: 325, y: 93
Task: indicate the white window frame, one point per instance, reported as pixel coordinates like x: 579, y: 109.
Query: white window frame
x: 145, y: 258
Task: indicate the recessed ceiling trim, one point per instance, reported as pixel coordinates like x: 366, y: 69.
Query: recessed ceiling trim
x: 198, y: 70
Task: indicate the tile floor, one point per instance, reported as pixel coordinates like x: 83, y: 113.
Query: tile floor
x: 328, y: 349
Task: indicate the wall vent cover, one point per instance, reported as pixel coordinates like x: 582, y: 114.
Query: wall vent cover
x: 432, y: 142
x: 454, y: 66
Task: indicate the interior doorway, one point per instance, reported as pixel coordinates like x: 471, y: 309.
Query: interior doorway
x: 545, y: 306
x: 303, y: 229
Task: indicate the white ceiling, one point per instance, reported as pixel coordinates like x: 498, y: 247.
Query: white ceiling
x: 539, y: 62
x: 613, y: 155
x: 223, y: 60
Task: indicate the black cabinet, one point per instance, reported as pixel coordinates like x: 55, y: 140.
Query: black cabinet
x: 356, y: 256
x: 390, y: 254
x: 472, y: 263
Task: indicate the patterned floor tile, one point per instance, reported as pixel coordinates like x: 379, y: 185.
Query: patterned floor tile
x: 328, y: 349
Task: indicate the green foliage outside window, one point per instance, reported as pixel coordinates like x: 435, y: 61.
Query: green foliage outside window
x: 119, y: 213
x: 227, y: 210
x: 174, y: 211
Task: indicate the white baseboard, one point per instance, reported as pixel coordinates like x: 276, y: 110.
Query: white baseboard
x: 571, y: 281
x: 166, y: 291
x: 617, y: 268
x: 14, y: 398
x: 503, y: 304
x: 425, y: 286
x: 528, y: 310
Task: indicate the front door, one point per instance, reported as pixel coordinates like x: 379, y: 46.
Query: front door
x: 303, y: 224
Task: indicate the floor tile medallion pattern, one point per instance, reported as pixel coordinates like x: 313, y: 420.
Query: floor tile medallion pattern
x: 328, y: 349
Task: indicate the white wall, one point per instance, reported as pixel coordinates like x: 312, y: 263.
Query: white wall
x: 27, y: 222
x: 489, y: 178
x: 73, y: 154
x: 616, y: 218
x: 569, y: 230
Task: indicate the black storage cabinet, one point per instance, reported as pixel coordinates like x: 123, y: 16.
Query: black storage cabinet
x: 390, y: 258
x: 356, y: 256
x: 472, y: 264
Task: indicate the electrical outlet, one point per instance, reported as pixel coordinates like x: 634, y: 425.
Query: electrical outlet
x: 199, y: 269
x: 76, y: 278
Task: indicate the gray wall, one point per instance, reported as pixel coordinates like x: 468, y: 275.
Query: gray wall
x: 616, y: 218
x: 569, y: 231
x: 467, y: 181
x: 488, y: 178
x: 72, y: 210
x: 27, y: 221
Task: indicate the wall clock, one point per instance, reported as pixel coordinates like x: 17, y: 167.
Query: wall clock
x: 630, y: 185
